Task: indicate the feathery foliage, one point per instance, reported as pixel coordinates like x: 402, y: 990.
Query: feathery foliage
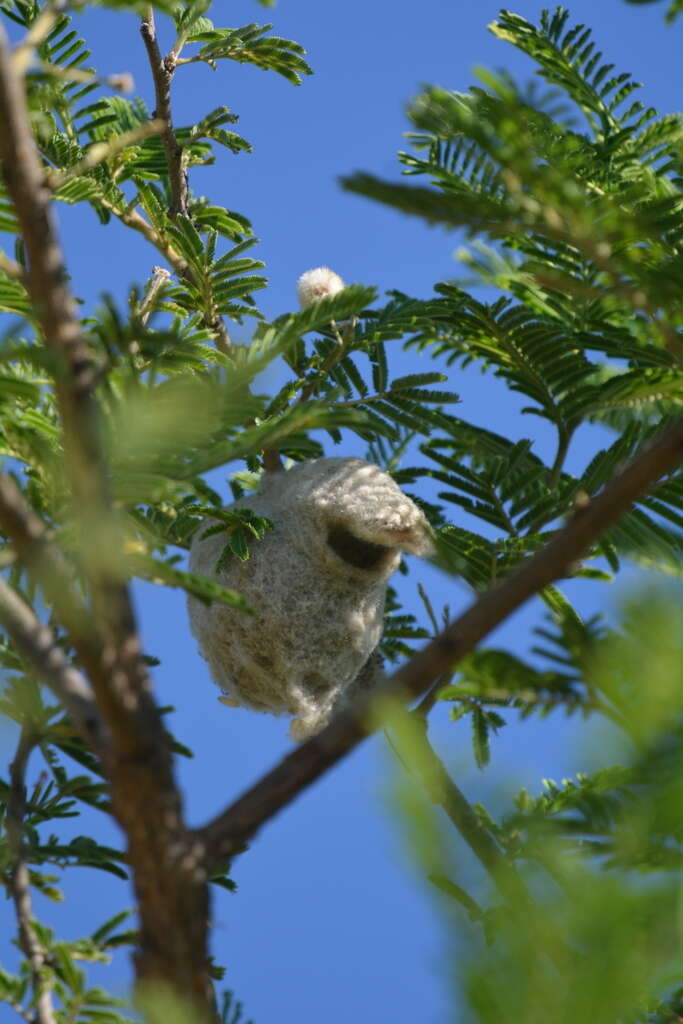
x: 574, y: 198
x: 575, y: 217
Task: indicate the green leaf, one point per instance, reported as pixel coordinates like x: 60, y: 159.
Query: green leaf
x: 203, y: 588
x: 251, y: 45
x: 480, y: 737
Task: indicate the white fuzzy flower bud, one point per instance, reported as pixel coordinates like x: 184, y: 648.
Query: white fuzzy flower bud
x: 317, y: 284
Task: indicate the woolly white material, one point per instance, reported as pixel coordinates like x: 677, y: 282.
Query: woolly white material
x: 317, y: 284
x: 317, y: 582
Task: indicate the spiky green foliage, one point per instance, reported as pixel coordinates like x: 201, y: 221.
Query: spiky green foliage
x: 578, y: 219
x: 674, y: 9
x: 574, y: 196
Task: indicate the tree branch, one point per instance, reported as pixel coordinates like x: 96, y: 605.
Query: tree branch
x: 170, y: 884
x: 272, y: 463
x: 133, y: 219
x: 226, y: 834
x: 37, y: 646
x: 31, y: 541
x: 163, y: 69
x: 20, y: 881
x: 47, y: 283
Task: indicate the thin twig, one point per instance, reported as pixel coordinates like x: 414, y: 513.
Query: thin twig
x: 163, y: 69
x: 224, y: 342
x: 133, y: 219
x: 228, y: 831
x: 46, y: 565
x: 20, y: 881
x: 37, y: 645
x: 189, y: 60
x: 160, y: 276
x: 419, y: 754
x: 432, y: 695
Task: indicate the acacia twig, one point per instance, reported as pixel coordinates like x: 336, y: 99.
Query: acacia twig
x: 20, y: 881
x: 43, y: 560
x: 163, y: 69
x: 226, y: 834
x: 418, y: 753
x: 38, y: 647
x: 133, y: 219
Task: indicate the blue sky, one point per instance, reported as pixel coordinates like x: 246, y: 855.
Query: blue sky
x: 332, y: 921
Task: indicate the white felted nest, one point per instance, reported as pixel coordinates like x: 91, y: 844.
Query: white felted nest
x: 317, y: 582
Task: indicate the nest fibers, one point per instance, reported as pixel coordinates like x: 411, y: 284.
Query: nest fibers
x: 317, y: 582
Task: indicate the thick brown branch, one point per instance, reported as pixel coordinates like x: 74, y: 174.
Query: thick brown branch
x: 227, y: 833
x: 37, y: 646
x: 20, y: 882
x: 163, y: 69
x: 47, y: 283
x: 170, y: 884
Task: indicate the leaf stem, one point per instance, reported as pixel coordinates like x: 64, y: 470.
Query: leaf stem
x: 565, y: 435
